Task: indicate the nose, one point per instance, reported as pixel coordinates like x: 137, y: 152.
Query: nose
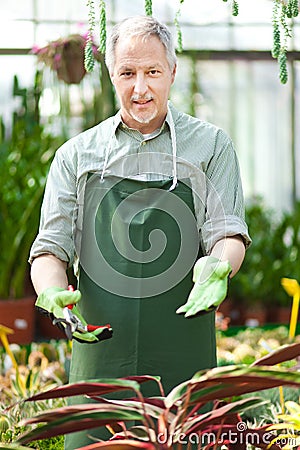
x: 140, y: 87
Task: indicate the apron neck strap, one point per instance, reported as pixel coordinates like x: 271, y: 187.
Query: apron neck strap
x: 107, y: 152
x: 174, y: 149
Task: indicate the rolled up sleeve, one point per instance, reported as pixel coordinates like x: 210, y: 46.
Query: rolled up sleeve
x: 225, y: 200
x: 58, y: 210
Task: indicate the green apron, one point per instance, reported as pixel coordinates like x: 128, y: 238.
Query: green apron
x: 138, y: 290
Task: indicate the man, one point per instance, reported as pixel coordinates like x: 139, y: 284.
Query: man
x: 136, y: 201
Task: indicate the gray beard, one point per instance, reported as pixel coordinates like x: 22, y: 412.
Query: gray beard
x: 144, y: 120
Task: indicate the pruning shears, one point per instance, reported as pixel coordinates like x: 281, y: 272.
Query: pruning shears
x: 74, y: 324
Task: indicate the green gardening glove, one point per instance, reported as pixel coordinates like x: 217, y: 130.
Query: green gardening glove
x: 211, y: 283
x: 52, y: 302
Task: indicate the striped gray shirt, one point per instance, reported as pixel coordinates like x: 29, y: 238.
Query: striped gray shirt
x: 205, y: 158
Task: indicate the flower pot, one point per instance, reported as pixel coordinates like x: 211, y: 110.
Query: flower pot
x: 19, y: 315
x: 283, y: 315
x: 71, y: 71
x: 46, y: 330
x: 232, y: 309
x: 71, y: 65
x: 255, y: 316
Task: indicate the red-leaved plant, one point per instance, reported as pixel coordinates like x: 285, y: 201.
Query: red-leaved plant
x: 174, y: 420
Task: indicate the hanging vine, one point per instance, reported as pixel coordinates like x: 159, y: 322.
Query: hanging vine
x: 234, y: 7
x: 102, y: 24
x: 89, y: 60
x: 177, y: 26
x: 148, y: 7
x: 283, y: 13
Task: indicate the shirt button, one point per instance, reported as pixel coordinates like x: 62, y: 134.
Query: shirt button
x: 144, y: 142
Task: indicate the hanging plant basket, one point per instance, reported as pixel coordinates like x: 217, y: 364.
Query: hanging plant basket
x: 65, y: 56
x: 71, y: 68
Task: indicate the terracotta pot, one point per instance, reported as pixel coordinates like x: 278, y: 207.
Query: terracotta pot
x: 46, y: 330
x: 71, y: 69
x: 283, y: 315
x: 19, y: 315
x: 255, y: 316
x: 272, y: 314
x: 230, y: 308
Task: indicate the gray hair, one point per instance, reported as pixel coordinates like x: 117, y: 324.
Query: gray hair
x: 142, y: 26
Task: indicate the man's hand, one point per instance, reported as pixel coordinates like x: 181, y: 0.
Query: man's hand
x: 211, y: 282
x: 52, y: 302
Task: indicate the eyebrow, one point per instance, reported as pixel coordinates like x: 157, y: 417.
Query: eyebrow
x: 129, y: 68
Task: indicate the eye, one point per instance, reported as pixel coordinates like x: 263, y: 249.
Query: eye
x: 126, y: 74
x: 154, y: 72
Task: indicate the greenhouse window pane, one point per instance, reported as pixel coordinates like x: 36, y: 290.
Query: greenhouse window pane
x: 296, y: 37
x: 254, y: 11
x: 213, y: 37
x: 125, y: 9
x: 51, y: 32
x: 55, y: 9
x: 214, y: 11
x: 247, y: 100
x: 65, y: 10
x: 252, y: 37
x: 16, y: 9
x: 16, y: 34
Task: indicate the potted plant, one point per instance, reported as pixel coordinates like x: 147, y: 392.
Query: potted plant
x: 286, y: 245
x: 25, y: 155
x: 272, y: 255
x: 250, y: 287
x: 65, y: 56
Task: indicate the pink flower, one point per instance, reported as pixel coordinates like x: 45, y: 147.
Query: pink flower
x: 56, y: 60
x: 35, y: 49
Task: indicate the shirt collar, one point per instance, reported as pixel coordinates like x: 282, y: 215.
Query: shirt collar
x: 117, y: 121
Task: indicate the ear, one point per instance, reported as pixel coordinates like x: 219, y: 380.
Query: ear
x: 174, y: 73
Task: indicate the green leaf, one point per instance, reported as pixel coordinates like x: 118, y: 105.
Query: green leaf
x: 145, y: 406
x: 230, y: 381
x: 12, y: 446
x: 144, y: 378
x: 282, y: 354
x: 176, y: 394
x: 218, y: 415
x: 76, y: 418
x: 91, y: 388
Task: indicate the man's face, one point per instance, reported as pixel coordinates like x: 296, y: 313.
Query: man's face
x: 142, y: 79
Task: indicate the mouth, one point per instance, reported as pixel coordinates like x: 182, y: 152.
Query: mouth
x: 143, y: 101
